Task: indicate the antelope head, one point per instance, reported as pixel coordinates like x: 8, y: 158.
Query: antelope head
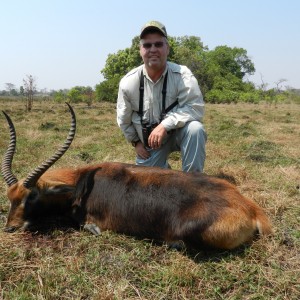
x: 19, y: 192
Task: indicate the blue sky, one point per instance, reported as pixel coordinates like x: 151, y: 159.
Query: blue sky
x: 64, y: 43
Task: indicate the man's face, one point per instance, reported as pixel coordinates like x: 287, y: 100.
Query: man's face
x: 154, y: 51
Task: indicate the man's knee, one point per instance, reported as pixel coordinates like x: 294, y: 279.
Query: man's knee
x: 196, y: 130
x: 193, y: 147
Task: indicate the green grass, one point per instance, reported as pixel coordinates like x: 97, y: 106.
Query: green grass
x: 256, y: 146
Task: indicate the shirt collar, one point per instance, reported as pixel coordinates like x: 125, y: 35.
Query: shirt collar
x: 162, y: 75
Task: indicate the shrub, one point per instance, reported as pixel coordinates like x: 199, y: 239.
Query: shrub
x: 108, y: 90
x: 250, y: 97
x: 221, y: 96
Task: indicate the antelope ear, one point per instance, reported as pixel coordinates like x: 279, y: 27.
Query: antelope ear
x: 30, y: 203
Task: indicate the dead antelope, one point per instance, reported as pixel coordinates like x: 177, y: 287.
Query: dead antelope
x: 146, y: 202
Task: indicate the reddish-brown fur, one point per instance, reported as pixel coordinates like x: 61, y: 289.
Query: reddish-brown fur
x: 146, y: 202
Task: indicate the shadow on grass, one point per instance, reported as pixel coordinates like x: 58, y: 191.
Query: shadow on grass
x: 51, y: 226
x: 214, y: 255
x: 201, y: 254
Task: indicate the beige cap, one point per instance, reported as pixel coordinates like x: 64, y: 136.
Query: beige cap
x: 154, y: 25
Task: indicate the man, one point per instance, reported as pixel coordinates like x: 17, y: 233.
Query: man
x: 160, y: 106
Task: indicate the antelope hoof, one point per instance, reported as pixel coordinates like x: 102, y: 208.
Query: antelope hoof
x: 93, y: 228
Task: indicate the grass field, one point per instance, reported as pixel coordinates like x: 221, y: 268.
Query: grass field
x: 255, y: 146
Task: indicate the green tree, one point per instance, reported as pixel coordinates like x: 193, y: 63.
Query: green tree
x: 75, y: 94
x: 192, y: 43
x: 78, y: 94
x: 88, y: 95
x: 60, y: 96
x: 117, y: 65
x: 221, y: 70
x: 231, y: 61
x: 225, y: 70
x: 108, y: 90
x: 189, y: 51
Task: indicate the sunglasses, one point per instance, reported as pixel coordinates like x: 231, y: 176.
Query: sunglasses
x: 156, y: 45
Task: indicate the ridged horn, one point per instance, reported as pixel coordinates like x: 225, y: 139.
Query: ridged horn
x: 6, y: 171
x: 34, y: 176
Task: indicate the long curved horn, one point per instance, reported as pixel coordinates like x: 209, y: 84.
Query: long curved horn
x: 6, y: 171
x: 33, y: 177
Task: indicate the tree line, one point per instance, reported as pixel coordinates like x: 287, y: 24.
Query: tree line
x: 222, y: 74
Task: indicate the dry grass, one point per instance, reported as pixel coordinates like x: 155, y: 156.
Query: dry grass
x: 255, y: 146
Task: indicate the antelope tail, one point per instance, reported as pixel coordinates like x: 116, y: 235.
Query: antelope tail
x: 263, y: 224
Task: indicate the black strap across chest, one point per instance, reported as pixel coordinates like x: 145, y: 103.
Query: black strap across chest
x: 164, y: 111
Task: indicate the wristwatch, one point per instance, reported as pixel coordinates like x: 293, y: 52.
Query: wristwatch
x: 135, y: 143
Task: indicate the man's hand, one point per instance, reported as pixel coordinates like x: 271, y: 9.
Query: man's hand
x: 156, y: 137
x: 141, y: 151
x: 154, y: 141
